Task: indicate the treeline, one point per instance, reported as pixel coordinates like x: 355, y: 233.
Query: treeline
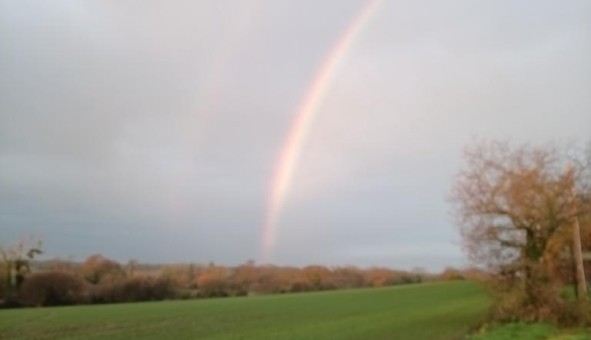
x: 102, y: 280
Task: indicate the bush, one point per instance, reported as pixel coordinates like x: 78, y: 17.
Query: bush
x: 133, y: 289
x: 3, y: 290
x: 51, y: 289
x: 212, y: 285
x: 548, y: 307
x: 574, y: 314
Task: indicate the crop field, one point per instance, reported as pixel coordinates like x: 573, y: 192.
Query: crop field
x: 422, y: 311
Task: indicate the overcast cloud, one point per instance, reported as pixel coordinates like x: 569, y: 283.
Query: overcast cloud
x: 150, y: 129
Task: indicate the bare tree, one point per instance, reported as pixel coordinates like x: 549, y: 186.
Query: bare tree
x: 15, y: 262
x: 513, y: 202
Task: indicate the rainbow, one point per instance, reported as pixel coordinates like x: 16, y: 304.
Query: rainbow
x: 307, y: 110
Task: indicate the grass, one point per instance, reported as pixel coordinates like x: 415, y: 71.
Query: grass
x: 532, y: 331
x: 520, y: 331
x: 426, y: 311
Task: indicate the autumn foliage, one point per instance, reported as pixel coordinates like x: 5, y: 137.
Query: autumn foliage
x: 516, y: 207
x: 102, y: 280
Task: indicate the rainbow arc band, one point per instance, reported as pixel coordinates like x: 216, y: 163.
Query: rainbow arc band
x: 303, y: 118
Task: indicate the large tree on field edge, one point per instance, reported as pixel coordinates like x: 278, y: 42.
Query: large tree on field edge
x: 514, y: 206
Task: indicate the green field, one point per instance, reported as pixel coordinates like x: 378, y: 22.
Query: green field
x: 532, y: 331
x: 425, y: 311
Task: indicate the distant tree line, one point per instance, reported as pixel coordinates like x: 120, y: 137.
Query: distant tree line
x: 102, y: 280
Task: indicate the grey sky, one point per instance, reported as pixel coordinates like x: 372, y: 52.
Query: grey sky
x: 149, y: 129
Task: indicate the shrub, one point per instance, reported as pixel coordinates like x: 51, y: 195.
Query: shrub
x: 515, y: 304
x: 133, y: 289
x: 212, y: 283
x: 51, y: 289
x: 3, y: 289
